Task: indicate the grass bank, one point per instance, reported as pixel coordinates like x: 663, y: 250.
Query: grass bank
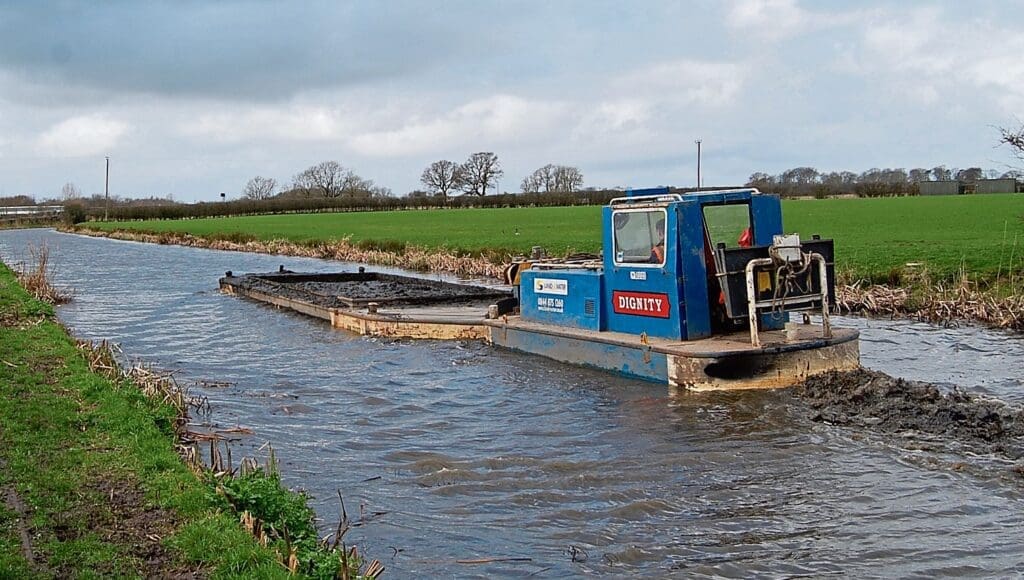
x: 980, y: 234
x: 93, y: 485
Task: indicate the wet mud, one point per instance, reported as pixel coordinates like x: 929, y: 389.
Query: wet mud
x: 875, y: 401
x: 354, y: 290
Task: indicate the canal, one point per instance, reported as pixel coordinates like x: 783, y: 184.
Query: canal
x: 447, y: 451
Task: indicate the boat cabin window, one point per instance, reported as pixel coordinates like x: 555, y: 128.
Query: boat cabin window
x: 639, y: 237
x: 729, y: 224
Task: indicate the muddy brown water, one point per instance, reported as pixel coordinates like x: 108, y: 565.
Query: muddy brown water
x: 447, y: 451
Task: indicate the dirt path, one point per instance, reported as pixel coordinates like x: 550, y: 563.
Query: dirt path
x: 14, y: 503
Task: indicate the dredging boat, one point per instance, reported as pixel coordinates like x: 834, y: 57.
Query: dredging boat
x: 696, y: 290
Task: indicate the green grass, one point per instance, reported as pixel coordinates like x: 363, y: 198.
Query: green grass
x: 71, y: 441
x: 945, y: 233
x: 872, y: 236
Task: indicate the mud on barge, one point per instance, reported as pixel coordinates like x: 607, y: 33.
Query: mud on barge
x: 676, y: 297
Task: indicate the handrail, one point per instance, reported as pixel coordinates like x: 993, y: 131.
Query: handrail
x: 666, y: 197
x: 731, y: 190
x: 753, y: 304
x: 646, y: 198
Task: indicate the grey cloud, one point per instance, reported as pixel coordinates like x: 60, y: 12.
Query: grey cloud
x: 240, y: 49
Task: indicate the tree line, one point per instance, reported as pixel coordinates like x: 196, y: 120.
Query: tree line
x: 806, y: 181
x: 291, y: 204
x: 476, y: 176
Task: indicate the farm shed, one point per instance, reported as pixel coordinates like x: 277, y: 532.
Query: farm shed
x: 940, y: 187
x: 1008, y: 185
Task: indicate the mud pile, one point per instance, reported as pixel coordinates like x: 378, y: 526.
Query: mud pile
x: 873, y: 400
x: 353, y: 290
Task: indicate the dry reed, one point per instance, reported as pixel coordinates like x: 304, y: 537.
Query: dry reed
x: 35, y: 277
x: 411, y: 258
x: 936, y: 302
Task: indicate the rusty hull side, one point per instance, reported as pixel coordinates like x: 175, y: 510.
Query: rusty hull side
x: 367, y: 324
x: 370, y: 325
x: 760, y: 370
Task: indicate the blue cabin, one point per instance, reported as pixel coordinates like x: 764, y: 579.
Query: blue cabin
x: 658, y: 275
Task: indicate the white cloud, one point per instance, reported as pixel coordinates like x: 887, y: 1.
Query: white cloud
x: 292, y: 123
x: 770, y: 19
x: 686, y: 81
x: 495, y: 119
x: 775, y: 20
x: 928, y: 48
x: 624, y: 121
x: 81, y: 136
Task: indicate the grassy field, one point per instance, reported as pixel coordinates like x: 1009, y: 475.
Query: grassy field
x: 872, y: 236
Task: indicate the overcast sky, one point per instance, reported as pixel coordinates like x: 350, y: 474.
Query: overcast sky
x: 192, y: 98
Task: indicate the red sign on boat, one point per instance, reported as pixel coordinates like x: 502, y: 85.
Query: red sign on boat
x: 640, y: 303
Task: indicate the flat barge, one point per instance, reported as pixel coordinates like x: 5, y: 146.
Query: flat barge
x: 662, y: 303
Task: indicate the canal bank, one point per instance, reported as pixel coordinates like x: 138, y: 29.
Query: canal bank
x: 91, y: 480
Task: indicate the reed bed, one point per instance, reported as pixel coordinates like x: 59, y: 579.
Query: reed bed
x: 35, y: 277
x: 937, y: 302
x: 410, y: 257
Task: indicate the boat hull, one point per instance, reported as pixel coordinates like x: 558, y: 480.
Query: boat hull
x: 725, y: 362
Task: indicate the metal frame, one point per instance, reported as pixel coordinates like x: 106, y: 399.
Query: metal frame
x: 753, y: 304
x: 659, y: 198
x: 670, y: 197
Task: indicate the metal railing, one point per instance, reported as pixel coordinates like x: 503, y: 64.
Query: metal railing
x: 782, y: 302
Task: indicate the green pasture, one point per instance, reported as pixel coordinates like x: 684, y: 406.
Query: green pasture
x: 979, y: 233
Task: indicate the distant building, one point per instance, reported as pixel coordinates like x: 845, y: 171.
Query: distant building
x: 1007, y: 185
x: 940, y: 187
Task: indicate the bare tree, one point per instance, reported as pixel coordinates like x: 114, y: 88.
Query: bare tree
x: 260, y: 188
x: 760, y: 179
x: 70, y: 192
x: 303, y: 183
x: 480, y: 171
x: 354, y: 186
x: 531, y: 184
x: 799, y: 176
x: 541, y: 180
x: 325, y: 179
x: 379, y: 192
x: 1013, y: 139
x: 568, y: 179
x: 552, y: 178
x: 442, y: 177
x: 331, y: 178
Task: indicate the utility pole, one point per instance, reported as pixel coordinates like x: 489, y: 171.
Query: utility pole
x: 698, y: 162
x: 106, y: 193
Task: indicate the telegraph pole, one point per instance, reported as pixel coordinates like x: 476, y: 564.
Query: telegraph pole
x: 698, y: 141
x: 106, y: 193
